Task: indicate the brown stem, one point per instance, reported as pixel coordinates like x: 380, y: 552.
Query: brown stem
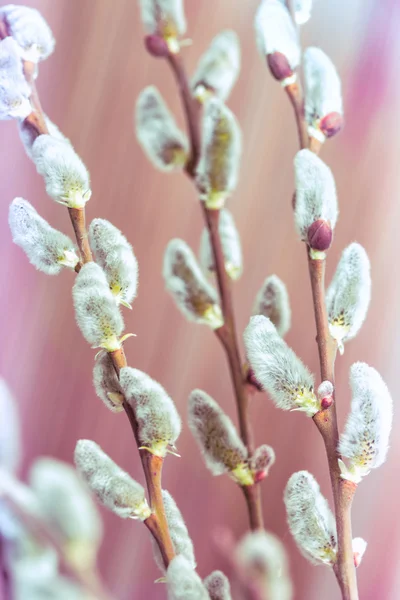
x: 226, y: 333
x: 326, y: 421
x: 77, y: 216
x: 228, y: 337
x: 191, y: 109
x: 295, y: 94
x: 315, y: 145
x: 152, y: 468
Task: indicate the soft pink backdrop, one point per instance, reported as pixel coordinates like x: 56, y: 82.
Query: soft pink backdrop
x: 88, y: 88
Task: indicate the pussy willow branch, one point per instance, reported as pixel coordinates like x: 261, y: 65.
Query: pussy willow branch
x: 226, y: 333
x: 326, y: 420
x: 152, y: 465
x: 152, y: 468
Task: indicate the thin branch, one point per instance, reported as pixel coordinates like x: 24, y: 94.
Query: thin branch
x: 152, y: 466
x: 191, y: 109
x: 295, y: 94
x: 326, y: 421
x: 226, y: 333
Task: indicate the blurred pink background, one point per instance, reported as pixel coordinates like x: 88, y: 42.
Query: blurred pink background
x: 89, y: 87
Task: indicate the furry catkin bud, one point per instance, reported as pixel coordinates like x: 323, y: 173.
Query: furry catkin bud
x: 115, y: 256
x: 67, y: 506
x: 178, y: 531
x: 217, y: 438
x: 66, y: 177
x: 302, y: 10
x: 111, y: 485
x: 278, y: 369
x: 349, y: 294
x: 185, y: 281
x: 272, y: 301
x: 47, y: 249
x: 14, y: 90
x: 218, y: 586
x: 261, y: 462
x: 231, y: 247
x: 359, y: 548
x: 183, y: 582
x: 324, y: 107
x: 165, y: 19
x: 315, y: 211
x: 159, y: 424
x: 106, y: 383
x: 97, y: 315
x: 310, y: 519
x: 277, y: 40
x: 264, y: 562
x: 218, y: 68
x: 218, y: 168
x: 365, y: 440
x: 28, y: 134
x: 30, y: 30
x: 164, y: 143
x: 10, y: 434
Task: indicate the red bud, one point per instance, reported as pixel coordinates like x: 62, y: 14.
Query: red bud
x: 331, y: 124
x: 279, y: 66
x: 156, y: 46
x: 320, y: 235
x: 326, y: 402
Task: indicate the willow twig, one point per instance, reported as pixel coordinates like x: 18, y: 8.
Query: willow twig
x: 226, y: 333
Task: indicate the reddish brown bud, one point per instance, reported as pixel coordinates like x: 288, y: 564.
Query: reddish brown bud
x: 326, y: 402
x: 331, y: 124
x: 279, y: 66
x: 320, y: 235
x: 156, y: 46
x: 251, y: 379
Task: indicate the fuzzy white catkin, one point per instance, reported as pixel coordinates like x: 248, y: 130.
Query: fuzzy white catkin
x: 218, y: 68
x: 14, y: 90
x: 96, y: 312
x: 10, y: 433
x: 30, y: 30
x: 264, y: 562
x: 359, y: 547
x: 185, y: 281
x: 310, y: 519
x: 111, y: 485
x: 68, y: 507
x: 275, y: 32
x: 66, y: 177
x: 365, y: 440
x: 323, y: 87
x: 315, y: 192
x: 47, y: 249
x: 278, y: 369
x: 231, y: 246
x: 216, y: 436
x: 115, y: 256
x: 106, y: 383
x: 218, y: 586
x: 302, y: 10
x: 261, y: 461
x: 183, y: 582
x: 349, y: 294
x: 164, y: 143
x: 179, y: 534
x: 272, y: 301
x: 159, y: 424
x: 221, y: 148
x: 28, y: 134
x: 165, y: 18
